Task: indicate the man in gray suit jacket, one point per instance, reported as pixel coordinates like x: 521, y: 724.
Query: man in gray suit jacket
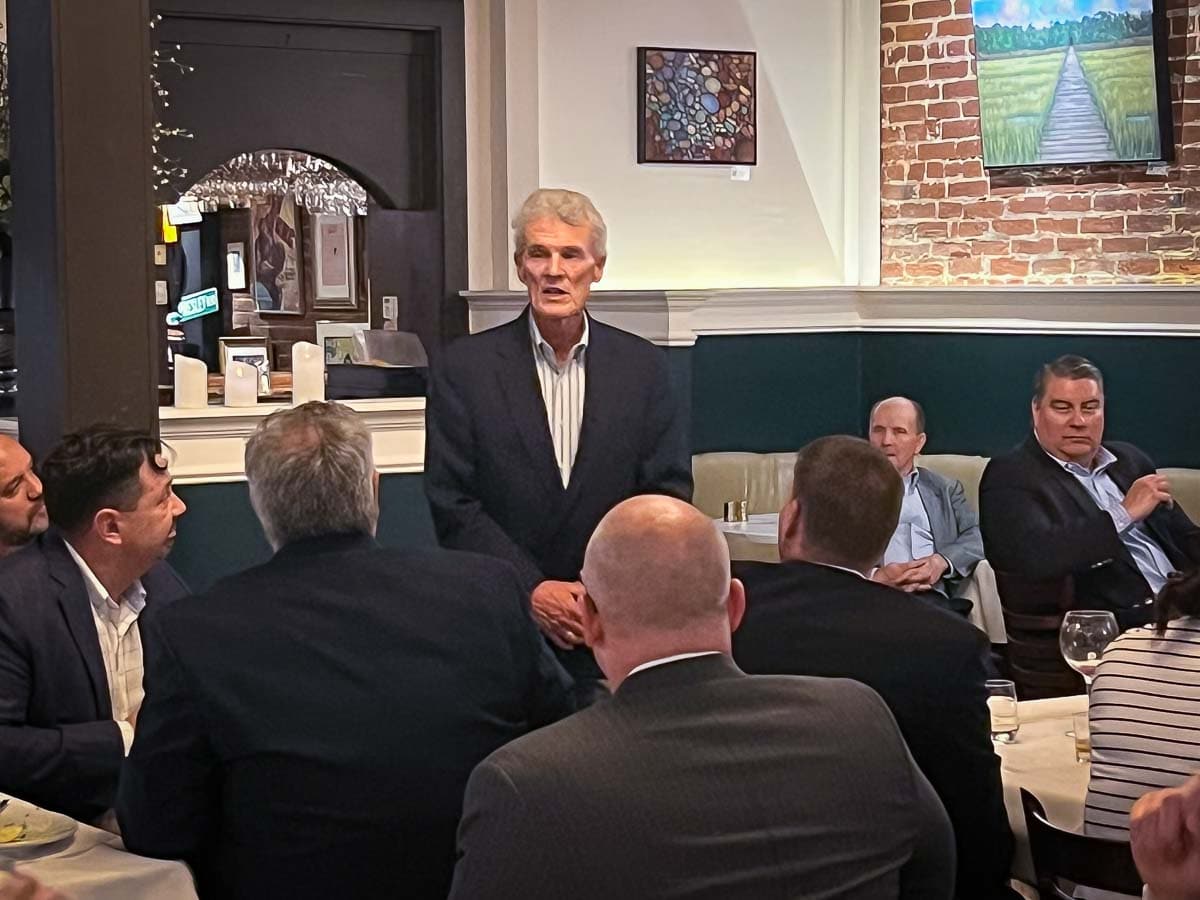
x: 696, y: 780
x: 937, y: 543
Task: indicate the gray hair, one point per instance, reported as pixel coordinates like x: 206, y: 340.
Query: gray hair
x: 311, y: 472
x: 918, y: 411
x: 1076, y: 368
x: 568, y: 206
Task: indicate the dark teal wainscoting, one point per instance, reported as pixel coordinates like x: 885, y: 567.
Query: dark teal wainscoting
x: 775, y: 392
x: 219, y: 535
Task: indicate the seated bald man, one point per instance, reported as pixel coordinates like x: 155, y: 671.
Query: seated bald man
x: 937, y: 542
x: 697, y: 780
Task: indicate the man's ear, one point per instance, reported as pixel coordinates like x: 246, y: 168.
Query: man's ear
x: 921, y: 438
x: 107, y: 525
x: 593, y: 628
x: 598, y: 269
x: 736, y: 604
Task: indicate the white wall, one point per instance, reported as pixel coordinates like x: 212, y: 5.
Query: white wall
x: 568, y: 118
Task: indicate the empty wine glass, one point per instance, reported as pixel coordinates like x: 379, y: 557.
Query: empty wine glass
x: 1082, y: 638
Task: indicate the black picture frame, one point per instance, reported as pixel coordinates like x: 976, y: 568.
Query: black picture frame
x: 744, y: 148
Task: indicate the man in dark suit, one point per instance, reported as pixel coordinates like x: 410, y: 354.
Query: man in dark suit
x: 1065, y: 505
x: 937, y: 543
x: 696, y: 780
x: 310, y: 723
x: 71, y: 642
x: 816, y: 613
x: 539, y: 427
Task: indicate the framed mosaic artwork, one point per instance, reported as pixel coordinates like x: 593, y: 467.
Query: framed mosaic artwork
x: 697, y: 106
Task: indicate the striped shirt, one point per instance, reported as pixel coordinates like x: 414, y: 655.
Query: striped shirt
x: 1145, y: 721
x: 120, y: 644
x: 563, y: 390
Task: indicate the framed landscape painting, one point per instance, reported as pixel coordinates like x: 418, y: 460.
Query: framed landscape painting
x: 697, y: 106
x: 1067, y: 82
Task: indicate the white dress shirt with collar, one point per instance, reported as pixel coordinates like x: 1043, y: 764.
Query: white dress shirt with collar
x: 913, y: 537
x: 1151, y: 561
x: 120, y: 644
x: 650, y: 664
x: 563, y: 389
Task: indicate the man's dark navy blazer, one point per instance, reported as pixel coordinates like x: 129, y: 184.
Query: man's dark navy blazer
x: 491, y: 474
x: 59, y: 745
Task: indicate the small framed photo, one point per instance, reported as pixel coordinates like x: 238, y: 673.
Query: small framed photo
x: 252, y: 351
x: 338, y: 340
x: 333, y: 262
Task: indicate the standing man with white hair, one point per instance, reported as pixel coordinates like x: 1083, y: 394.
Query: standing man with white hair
x: 310, y: 723
x: 537, y: 428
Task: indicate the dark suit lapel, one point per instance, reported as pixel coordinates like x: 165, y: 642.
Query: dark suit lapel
x: 77, y: 611
x: 601, y: 404
x: 519, y: 383
x: 1062, y: 477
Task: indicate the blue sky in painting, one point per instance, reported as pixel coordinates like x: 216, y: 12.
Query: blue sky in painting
x: 1040, y: 13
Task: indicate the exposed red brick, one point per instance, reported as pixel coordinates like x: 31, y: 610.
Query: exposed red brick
x: 895, y: 12
x: 906, y: 74
x: 939, y: 150
x: 945, y: 110
x: 930, y: 268
x: 1015, y: 267
x: 1189, y: 267
x: 1040, y: 247
x: 956, y: 27
x: 1027, y: 204
x: 1014, y: 226
x: 932, y: 9
x: 932, y: 190
x: 1053, y: 266
x: 1111, y: 225
x: 1058, y: 226
x: 1096, y: 267
x: 958, y: 128
x: 1148, y: 224
x: 915, y: 32
x: 1077, y: 245
x: 1172, y: 242
x: 932, y: 230
x: 923, y: 92
x: 968, y: 189
x: 985, y: 209
x: 1070, y: 203
x: 1114, y: 202
x: 1139, y: 267
x: 966, y: 265
x: 946, y: 70
x: 918, y: 210
x: 966, y: 89
x: 970, y: 229
x: 912, y: 113
x: 1123, y: 245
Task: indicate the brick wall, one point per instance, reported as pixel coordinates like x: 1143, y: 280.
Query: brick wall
x: 947, y: 221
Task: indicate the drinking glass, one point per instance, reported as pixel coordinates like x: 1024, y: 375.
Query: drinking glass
x: 1082, y: 638
x: 1002, y: 707
x: 1083, y: 737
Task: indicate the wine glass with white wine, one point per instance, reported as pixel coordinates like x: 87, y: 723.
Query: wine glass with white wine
x: 1082, y: 638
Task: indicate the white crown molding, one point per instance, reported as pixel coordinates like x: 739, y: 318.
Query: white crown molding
x: 677, y: 318
x: 209, y: 444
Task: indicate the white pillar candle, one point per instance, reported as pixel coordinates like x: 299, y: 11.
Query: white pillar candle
x: 241, y: 384
x: 191, y: 383
x: 308, y: 373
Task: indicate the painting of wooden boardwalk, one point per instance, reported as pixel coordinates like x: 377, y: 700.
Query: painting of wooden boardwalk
x: 1067, y: 81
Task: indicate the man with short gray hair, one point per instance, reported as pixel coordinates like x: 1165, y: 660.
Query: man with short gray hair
x: 537, y: 428
x: 310, y: 723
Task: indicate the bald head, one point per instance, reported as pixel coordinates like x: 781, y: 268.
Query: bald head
x: 897, y: 428
x: 656, y: 564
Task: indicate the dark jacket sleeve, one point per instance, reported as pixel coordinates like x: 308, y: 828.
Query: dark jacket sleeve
x: 665, y: 466
x: 547, y: 688
x: 72, y: 768
x: 167, y: 799
x: 451, y: 479
x: 968, y: 781
x: 1024, y: 535
x: 497, y: 849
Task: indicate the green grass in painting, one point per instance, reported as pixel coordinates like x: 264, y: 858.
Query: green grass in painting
x: 1123, y: 86
x: 1015, y: 95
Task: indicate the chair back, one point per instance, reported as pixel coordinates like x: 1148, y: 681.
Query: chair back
x: 1033, y: 613
x: 1060, y: 855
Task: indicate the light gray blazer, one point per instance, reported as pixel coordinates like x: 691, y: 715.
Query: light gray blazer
x: 954, y: 524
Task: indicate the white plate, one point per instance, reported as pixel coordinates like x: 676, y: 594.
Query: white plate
x: 41, y: 825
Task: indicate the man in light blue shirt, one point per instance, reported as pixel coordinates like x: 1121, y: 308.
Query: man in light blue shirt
x: 937, y: 541
x: 1067, y: 505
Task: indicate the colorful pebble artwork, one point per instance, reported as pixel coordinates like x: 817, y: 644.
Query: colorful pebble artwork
x: 696, y: 106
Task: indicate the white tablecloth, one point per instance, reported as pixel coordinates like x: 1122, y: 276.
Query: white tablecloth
x: 1042, y: 760
x: 756, y: 539
x: 94, y: 865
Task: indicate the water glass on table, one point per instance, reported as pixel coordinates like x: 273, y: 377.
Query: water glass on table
x: 1002, y: 709
x: 1083, y: 737
x: 1082, y: 638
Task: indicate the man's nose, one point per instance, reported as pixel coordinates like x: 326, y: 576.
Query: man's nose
x: 555, y: 267
x: 35, y: 487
